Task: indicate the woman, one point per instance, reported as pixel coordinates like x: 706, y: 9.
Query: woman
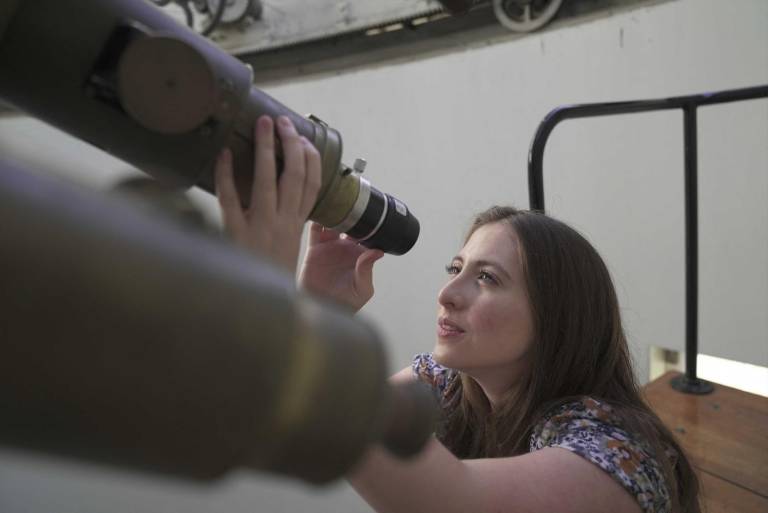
x: 541, y: 410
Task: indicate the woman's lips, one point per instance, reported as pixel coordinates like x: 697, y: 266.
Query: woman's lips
x: 448, y: 329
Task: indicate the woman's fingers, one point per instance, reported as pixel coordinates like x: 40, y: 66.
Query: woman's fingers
x: 226, y: 193
x: 264, y: 193
x: 319, y: 234
x: 294, y: 168
x: 313, y: 179
x: 364, y: 273
x: 274, y: 222
x: 295, y: 192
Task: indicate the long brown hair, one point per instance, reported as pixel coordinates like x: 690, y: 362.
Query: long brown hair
x: 579, y: 349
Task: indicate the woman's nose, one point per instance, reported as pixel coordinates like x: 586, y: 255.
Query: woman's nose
x: 450, y: 295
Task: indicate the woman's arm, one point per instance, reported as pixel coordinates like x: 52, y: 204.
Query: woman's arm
x: 404, y: 376
x: 547, y: 481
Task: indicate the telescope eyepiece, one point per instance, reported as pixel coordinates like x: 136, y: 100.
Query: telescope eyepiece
x: 383, y: 222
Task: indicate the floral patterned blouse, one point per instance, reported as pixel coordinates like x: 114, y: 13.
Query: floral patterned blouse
x: 588, y: 428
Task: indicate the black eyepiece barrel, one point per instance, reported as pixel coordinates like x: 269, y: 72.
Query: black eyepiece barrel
x: 386, y: 224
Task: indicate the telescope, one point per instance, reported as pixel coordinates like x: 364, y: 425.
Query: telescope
x: 127, y: 340
x: 131, y: 342
x: 127, y: 78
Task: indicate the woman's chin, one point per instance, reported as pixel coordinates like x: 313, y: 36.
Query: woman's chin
x: 444, y: 356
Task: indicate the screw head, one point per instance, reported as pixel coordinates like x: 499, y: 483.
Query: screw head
x: 359, y: 165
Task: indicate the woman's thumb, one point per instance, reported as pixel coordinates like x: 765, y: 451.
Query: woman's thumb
x: 364, y: 270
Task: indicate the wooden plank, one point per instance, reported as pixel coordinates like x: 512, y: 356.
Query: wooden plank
x: 719, y: 496
x: 725, y: 433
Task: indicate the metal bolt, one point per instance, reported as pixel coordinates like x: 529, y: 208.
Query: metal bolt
x: 359, y: 165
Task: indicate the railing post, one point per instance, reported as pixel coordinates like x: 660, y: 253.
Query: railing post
x: 689, y: 382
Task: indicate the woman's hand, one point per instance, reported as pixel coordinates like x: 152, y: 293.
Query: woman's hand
x: 338, y: 268
x: 273, y: 223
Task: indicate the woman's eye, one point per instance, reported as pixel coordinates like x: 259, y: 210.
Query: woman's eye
x: 452, y: 269
x: 486, y: 277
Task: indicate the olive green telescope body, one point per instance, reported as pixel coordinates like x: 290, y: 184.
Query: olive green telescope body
x: 130, y: 342
x: 125, y: 77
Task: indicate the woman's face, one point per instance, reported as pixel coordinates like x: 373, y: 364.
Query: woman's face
x: 484, y: 325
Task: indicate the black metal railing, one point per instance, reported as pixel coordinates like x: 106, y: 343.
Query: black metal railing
x: 688, y: 382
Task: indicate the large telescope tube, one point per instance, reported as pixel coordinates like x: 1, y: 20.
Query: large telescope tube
x: 125, y: 77
x: 128, y: 341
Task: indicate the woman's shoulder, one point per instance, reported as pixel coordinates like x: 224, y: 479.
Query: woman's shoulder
x: 426, y: 369
x: 582, y: 418
x: 592, y: 429
x: 581, y: 410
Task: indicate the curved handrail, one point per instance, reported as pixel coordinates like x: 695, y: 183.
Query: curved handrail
x: 551, y: 120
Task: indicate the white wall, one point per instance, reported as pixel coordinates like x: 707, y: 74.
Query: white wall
x: 449, y: 135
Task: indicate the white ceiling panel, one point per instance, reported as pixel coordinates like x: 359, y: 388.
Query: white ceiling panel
x: 288, y: 22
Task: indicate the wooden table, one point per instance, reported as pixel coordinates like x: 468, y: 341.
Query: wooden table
x: 725, y: 434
